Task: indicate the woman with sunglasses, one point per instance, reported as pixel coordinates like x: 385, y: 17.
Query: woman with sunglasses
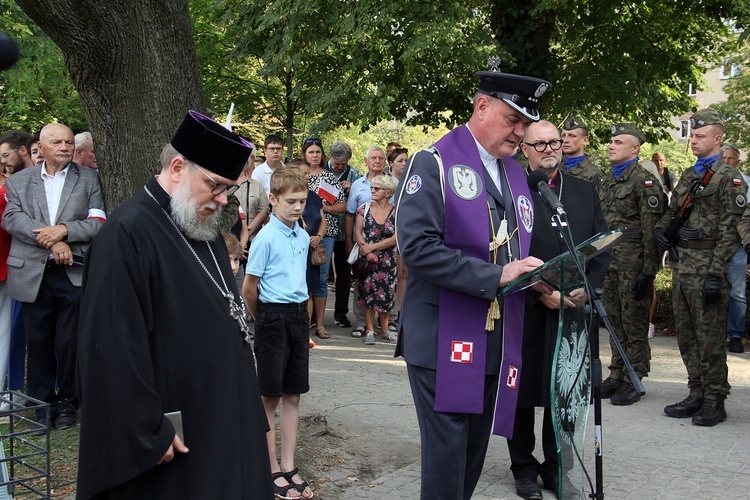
x: 323, y: 182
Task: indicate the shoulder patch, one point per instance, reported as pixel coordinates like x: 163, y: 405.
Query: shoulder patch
x: 737, y: 182
x: 740, y: 200
x: 414, y: 184
x: 525, y: 213
x: 653, y: 201
x: 464, y: 182
x: 648, y: 183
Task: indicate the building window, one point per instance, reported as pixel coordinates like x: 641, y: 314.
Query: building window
x: 684, y: 129
x: 691, y: 90
x: 728, y: 70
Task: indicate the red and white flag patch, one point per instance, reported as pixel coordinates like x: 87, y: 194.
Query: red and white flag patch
x: 95, y: 213
x: 648, y: 183
x: 737, y: 182
x: 462, y: 352
x: 512, y: 381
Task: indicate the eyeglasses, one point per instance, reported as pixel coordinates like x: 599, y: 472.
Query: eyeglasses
x: 540, y: 146
x: 274, y: 149
x: 314, y: 140
x: 218, y: 187
x: 5, y: 156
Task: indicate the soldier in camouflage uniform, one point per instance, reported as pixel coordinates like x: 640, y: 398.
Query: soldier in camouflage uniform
x: 631, y: 197
x: 575, y: 136
x: 700, y: 291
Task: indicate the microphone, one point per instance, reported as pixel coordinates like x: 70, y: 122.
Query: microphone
x: 8, y: 52
x: 537, y: 180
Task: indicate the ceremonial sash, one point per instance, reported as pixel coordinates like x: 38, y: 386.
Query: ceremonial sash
x: 462, y: 339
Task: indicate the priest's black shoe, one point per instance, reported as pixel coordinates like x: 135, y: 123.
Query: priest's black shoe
x: 685, y: 408
x: 711, y: 413
x: 625, y: 395
x: 41, y: 428
x: 553, y: 484
x: 65, y: 420
x: 609, y: 387
x: 528, y: 488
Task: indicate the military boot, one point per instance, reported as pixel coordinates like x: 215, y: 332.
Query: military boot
x: 609, y: 387
x: 625, y: 395
x: 685, y: 408
x: 711, y: 413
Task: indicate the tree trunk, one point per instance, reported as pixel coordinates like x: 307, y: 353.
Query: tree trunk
x: 133, y: 63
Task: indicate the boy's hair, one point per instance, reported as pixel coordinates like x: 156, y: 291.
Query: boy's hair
x: 296, y: 162
x: 288, y: 179
x: 234, y: 247
x: 273, y: 139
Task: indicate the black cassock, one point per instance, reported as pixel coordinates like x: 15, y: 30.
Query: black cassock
x: 585, y: 219
x: 156, y: 336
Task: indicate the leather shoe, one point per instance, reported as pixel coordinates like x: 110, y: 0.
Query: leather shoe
x: 735, y: 345
x: 609, y: 387
x: 528, y: 488
x: 553, y: 484
x: 685, y: 408
x: 711, y: 413
x: 42, y: 428
x: 625, y: 395
x: 65, y: 420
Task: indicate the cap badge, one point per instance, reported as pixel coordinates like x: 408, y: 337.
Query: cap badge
x: 494, y: 63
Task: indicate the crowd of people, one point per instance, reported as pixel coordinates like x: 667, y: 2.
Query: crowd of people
x: 141, y: 304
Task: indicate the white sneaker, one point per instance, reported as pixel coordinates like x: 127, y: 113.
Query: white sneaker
x: 651, y: 330
x: 19, y: 400
x: 358, y: 332
x: 369, y: 338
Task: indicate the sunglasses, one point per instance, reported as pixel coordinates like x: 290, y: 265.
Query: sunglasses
x: 314, y: 140
x: 399, y: 151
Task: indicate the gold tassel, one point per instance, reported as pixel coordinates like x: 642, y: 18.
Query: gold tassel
x: 492, y: 314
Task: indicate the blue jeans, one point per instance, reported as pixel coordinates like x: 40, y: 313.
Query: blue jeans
x: 324, y: 268
x: 737, y: 300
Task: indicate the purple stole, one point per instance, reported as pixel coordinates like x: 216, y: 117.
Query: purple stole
x: 462, y: 339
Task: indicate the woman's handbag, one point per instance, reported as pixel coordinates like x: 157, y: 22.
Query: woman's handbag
x: 318, y: 255
x: 362, y: 268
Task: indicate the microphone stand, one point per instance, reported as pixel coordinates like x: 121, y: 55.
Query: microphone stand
x: 594, y: 298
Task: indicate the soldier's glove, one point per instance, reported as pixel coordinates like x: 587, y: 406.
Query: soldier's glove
x: 712, y: 289
x: 661, y: 239
x: 641, y: 285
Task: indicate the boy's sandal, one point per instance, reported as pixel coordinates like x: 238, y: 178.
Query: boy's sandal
x: 322, y: 333
x: 301, y: 487
x: 283, y: 491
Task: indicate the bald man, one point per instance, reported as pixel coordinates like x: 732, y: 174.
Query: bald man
x: 53, y: 212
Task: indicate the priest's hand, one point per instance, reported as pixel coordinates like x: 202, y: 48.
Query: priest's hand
x: 62, y: 253
x: 176, y: 446
x: 578, y: 297
x: 552, y: 301
x: 49, y: 235
x: 517, y: 268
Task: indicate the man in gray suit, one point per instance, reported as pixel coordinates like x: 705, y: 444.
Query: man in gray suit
x: 53, y: 212
x: 464, y: 222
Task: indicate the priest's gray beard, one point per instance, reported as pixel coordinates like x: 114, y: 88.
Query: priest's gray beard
x: 185, y: 215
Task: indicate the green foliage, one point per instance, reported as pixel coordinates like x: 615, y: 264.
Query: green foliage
x: 736, y: 108
x: 37, y: 90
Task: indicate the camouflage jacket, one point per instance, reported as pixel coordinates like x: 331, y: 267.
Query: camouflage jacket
x: 716, y: 214
x: 587, y: 171
x: 635, y: 199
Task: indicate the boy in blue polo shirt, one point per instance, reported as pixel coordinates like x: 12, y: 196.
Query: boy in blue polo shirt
x: 275, y: 292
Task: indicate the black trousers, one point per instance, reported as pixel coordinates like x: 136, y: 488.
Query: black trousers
x: 521, y: 447
x: 343, y: 279
x: 453, y: 444
x: 51, y: 323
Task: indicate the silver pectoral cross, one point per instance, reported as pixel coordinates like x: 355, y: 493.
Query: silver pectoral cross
x: 238, y: 314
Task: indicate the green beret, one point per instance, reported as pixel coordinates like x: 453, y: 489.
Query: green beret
x: 704, y: 117
x: 573, y: 123
x: 628, y: 129
x: 522, y: 93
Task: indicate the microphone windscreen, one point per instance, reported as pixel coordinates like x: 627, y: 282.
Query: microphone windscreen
x: 8, y: 52
x: 535, y: 178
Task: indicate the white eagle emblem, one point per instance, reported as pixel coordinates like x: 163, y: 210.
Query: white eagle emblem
x: 465, y: 182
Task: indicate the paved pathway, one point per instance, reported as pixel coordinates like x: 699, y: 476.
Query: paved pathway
x: 364, y: 394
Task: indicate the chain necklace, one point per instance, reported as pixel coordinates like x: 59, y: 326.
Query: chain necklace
x: 235, y: 311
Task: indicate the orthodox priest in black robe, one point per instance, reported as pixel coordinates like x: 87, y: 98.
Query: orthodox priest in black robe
x: 160, y: 333
x: 585, y: 219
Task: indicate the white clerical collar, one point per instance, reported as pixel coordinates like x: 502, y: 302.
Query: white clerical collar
x: 489, y: 162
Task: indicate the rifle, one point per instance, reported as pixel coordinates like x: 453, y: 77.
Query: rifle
x: 683, y: 213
